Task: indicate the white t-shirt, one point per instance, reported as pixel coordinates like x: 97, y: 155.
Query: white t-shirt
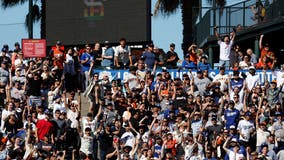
x: 243, y: 65
x: 40, y: 116
x: 122, y: 53
x: 225, y: 50
x: 87, y: 144
x: 51, y: 95
x: 72, y: 116
x: 132, y: 80
x: 60, y: 107
x: 5, y: 114
x: 235, y: 156
x: 252, y: 81
x: 245, y: 127
x: 261, y: 136
x: 90, y: 124
x: 222, y: 79
x: 130, y: 139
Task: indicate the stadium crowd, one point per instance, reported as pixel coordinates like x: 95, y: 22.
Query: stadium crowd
x: 147, y: 114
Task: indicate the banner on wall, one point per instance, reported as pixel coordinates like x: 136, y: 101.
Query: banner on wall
x: 271, y: 75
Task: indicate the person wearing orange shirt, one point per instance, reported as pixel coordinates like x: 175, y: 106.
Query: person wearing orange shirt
x: 171, y: 143
x: 192, y: 51
x: 58, y: 56
x: 265, y: 51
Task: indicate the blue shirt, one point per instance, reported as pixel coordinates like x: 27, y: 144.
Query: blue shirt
x: 86, y: 66
x: 239, y: 83
x: 108, y: 62
x: 188, y: 65
x: 149, y: 59
x: 231, y: 117
x: 203, y: 66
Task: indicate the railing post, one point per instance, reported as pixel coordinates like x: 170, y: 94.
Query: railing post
x: 256, y: 47
x: 210, y: 56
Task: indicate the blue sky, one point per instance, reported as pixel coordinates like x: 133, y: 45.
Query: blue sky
x: 165, y: 30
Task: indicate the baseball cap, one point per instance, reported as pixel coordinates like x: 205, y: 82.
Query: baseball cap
x: 58, y: 42
x: 221, y: 68
x: 232, y: 127
x: 172, y: 45
x: 274, y: 81
x: 234, y: 140
x: 277, y: 113
x: 106, y: 42
x: 252, y: 67
x: 4, y: 50
x: 199, y: 72
x: 248, y: 113
x: 150, y: 45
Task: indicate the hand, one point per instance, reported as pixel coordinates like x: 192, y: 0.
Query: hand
x: 261, y: 36
x: 62, y: 78
x: 92, y: 64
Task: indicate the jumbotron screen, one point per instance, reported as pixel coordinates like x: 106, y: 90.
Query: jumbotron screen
x: 89, y: 21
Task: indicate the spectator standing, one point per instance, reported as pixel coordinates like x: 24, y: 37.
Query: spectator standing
x: 246, y: 129
x: 4, y: 56
x: 17, y: 47
x: 44, y: 128
x: 132, y: 80
x: 108, y: 55
x: 259, y: 11
x: 172, y: 57
x: 97, y: 52
x: 202, y: 83
x: 58, y: 56
x: 234, y: 55
x: 4, y: 74
x: 221, y: 79
x: 225, y: 48
x: 69, y: 71
x: 150, y: 58
x: 273, y: 93
x: 192, y: 51
x: 122, y: 55
x: 265, y: 51
x: 86, y: 59
x: 231, y: 115
x: 252, y: 78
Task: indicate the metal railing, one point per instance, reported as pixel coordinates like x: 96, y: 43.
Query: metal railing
x: 226, y: 19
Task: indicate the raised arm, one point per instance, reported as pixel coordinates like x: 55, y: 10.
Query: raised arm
x: 225, y: 145
x: 260, y: 41
x: 232, y: 36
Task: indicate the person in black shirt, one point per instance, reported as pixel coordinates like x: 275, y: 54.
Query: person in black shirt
x: 172, y: 57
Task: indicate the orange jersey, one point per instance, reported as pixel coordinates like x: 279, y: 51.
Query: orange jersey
x: 59, y: 57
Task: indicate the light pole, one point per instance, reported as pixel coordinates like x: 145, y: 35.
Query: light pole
x: 30, y: 21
